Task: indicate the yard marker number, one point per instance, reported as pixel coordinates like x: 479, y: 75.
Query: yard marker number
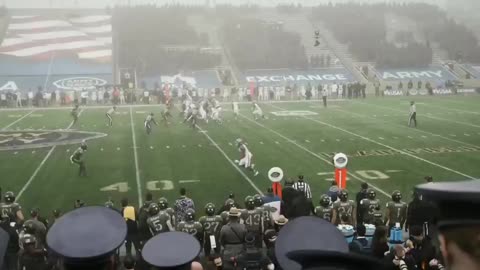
x: 120, y: 187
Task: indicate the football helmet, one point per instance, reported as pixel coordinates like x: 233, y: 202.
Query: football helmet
x: 325, y: 200
x: 343, y: 195
x: 153, y: 209
x: 258, y: 200
x: 371, y: 194
x: 249, y: 203
x: 210, y: 209
x: 190, y: 215
x: 9, y: 197
x: 396, y: 196
x: 163, y: 203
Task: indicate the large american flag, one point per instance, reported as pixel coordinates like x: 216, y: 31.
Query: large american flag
x: 38, y: 37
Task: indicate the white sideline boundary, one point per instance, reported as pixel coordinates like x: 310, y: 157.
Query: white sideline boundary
x: 414, y: 129
x: 39, y: 167
x: 230, y: 161
x: 16, y: 121
x: 388, y: 146
x: 135, y: 156
x: 315, y: 155
x: 423, y: 115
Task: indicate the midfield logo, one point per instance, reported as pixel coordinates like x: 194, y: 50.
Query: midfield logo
x: 27, y: 139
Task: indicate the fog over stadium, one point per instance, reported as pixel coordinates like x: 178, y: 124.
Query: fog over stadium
x: 238, y: 134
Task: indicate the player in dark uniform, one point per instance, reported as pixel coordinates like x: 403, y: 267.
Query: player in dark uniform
x: 253, y: 219
x: 324, y: 210
x: 158, y: 222
x: 191, y: 226
x: 229, y: 203
x: 74, y: 113
x: 344, y: 206
x: 268, y: 222
x: 163, y: 204
x: 148, y: 123
x: 211, y: 226
x: 368, y: 207
x: 396, y: 210
x: 9, y: 209
x: 77, y: 158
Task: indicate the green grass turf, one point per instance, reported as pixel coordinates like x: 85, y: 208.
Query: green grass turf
x: 298, y: 144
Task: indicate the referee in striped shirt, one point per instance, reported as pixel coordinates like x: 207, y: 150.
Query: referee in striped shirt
x: 301, y: 186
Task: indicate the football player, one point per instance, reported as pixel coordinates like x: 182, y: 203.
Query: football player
x: 344, y: 207
x: 74, y: 113
x: 413, y: 114
x: 109, y: 115
x: 192, y: 115
x: 166, y: 112
x: 163, y: 204
x: 324, y: 210
x: 191, y: 226
x: 229, y: 203
x: 257, y: 112
x: 245, y: 157
x: 253, y: 219
x: 216, y: 110
x: 78, y: 158
x: 236, y: 110
x: 148, y: 123
x: 9, y: 209
x: 268, y: 220
x: 158, y: 222
x: 211, y: 226
x: 202, y: 112
x: 368, y: 207
x: 396, y: 210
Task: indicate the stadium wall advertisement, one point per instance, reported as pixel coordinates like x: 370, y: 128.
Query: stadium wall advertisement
x: 474, y: 69
x: 196, y: 79
x: 424, y: 92
x: 54, y: 82
x: 267, y: 77
x: 429, y: 73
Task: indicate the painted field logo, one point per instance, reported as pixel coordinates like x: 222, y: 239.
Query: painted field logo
x: 27, y: 139
x: 294, y: 113
x: 79, y: 83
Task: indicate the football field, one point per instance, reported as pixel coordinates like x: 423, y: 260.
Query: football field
x: 300, y: 137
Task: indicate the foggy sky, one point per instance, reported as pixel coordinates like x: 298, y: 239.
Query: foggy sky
x: 105, y: 3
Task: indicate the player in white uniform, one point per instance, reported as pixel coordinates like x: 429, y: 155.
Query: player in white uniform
x: 216, y: 110
x: 202, y: 112
x: 148, y: 123
x: 192, y: 115
x: 257, y: 112
x: 109, y: 115
x: 413, y: 115
x: 246, y: 157
x: 236, y: 110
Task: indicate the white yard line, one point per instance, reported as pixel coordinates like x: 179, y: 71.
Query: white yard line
x: 231, y: 162
x: 414, y: 129
x: 388, y: 146
x: 423, y: 115
x: 450, y: 109
x: 16, y: 121
x: 44, y: 160
x: 313, y: 154
x: 135, y: 156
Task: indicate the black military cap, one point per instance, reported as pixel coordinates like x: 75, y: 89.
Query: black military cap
x: 4, y: 238
x: 314, y: 243
x: 87, y: 236
x: 171, y: 250
x: 457, y: 202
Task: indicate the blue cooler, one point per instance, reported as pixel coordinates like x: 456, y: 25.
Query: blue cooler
x: 396, y: 235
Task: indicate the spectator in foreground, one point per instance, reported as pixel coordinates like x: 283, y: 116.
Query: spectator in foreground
x: 128, y: 263
x: 420, y: 246
x: 379, y: 242
x: 360, y: 243
x: 183, y: 204
x: 398, y: 259
x: 232, y: 236
x: 196, y: 266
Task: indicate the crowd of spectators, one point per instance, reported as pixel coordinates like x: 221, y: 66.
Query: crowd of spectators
x: 167, y: 46
x: 256, y: 44
x: 366, y: 38
x: 242, y: 227
x: 460, y: 43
